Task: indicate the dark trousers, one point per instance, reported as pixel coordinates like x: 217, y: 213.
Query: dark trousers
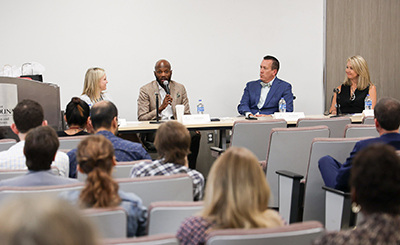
x: 329, y: 168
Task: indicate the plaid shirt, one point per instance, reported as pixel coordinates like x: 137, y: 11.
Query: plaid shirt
x: 158, y: 167
x: 194, y: 230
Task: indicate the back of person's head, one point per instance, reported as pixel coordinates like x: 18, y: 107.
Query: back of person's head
x: 91, y: 85
x: 387, y: 113
x: 95, y: 157
x: 172, y: 142
x: 28, y: 114
x: 275, y: 62
x: 237, y: 192
x: 77, y: 112
x: 375, y: 179
x: 41, y: 144
x: 43, y: 221
x: 102, y: 114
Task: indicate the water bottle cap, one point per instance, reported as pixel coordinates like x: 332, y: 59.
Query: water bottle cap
x: 199, y: 100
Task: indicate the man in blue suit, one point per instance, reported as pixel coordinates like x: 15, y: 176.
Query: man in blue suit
x: 261, y: 97
x: 387, y: 122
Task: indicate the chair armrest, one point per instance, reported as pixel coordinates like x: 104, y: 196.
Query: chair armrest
x: 216, y: 151
x: 289, y: 174
x: 291, y: 195
x: 338, y: 214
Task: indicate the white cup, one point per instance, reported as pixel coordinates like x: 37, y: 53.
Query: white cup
x: 179, y: 112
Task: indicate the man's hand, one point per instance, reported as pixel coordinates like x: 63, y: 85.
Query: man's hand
x: 263, y: 115
x: 167, y: 101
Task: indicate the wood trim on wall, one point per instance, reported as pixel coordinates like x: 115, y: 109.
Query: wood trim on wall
x: 370, y: 28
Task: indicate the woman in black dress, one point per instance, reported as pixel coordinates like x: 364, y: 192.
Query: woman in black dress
x: 356, y: 86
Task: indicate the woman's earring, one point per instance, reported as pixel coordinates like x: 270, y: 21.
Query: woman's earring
x: 355, y: 207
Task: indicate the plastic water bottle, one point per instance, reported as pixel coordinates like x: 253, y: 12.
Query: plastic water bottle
x: 367, y: 103
x: 282, y: 105
x: 200, y: 107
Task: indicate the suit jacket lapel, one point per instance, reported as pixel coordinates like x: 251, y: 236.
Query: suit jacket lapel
x: 173, y: 94
x: 271, y: 92
x: 257, y: 93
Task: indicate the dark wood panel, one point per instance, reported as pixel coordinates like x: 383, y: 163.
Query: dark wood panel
x: 370, y: 28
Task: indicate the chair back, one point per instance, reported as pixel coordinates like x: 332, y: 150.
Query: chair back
x: 336, y: 124
x: 160, y: 239
x: 121, y: 170
x: 54, y: 191
x: 254, y: 135
x: 8, y: 174
x: 369, y: 120
x: 110, y: 222
x: 289, y: 149
x: 298, y: 233
x: 166, y: 217
x: 314, y: 197
x: 5, y: 144
x: 360, y: 130
x: 177, y: 187
x: 70, y: 142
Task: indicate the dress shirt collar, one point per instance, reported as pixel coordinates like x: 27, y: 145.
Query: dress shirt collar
x: 268, y: 84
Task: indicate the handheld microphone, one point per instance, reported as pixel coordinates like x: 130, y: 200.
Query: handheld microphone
x: 166, y: 83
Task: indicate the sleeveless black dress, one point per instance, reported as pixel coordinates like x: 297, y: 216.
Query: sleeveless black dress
x: 348, y: 106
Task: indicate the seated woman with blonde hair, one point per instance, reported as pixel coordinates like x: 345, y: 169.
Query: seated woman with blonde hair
x: 356, y: 86
x: 96, y: 158
x: 236, y: 196
x: 94, y: 86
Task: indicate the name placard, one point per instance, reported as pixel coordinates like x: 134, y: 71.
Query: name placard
x: 368, y: 113
x: 289, y: 116
x: 196, y: 119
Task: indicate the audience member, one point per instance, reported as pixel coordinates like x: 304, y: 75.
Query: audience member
x: 96, y: 159
x: 41, y: 144
x: 28, y: 114
x: 387, y: 121
x: 44, y: 221
x: 104, y: 119
x: 94, y: 86
x: 357, y: 84
x: 172, y: 143
x: 76, y: 116
x: 261, y: 97
x: 375, y: 190
x: 237, y: 196
x: 170, y: 94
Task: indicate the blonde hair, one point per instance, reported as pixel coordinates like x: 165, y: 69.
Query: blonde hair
x: 360, y: 66
x: 91, y: 86
x: 95, y: 157
x: 237, y: 192
x: 43, y: 221
x: 173, y: 142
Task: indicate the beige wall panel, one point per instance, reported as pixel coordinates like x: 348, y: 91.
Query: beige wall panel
x: 370, y: 28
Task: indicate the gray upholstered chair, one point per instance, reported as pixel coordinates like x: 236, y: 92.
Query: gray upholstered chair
x: 299, y: 233
x: 167, y: 216
x: 177, y: 187
x: 254, y: 135
x: 336, y: 124
x: 289, y: 149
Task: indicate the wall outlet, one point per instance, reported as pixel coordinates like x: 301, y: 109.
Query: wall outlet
x: 210, y: 138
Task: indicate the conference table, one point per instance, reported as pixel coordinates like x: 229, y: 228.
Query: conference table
x: 223, y: 124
